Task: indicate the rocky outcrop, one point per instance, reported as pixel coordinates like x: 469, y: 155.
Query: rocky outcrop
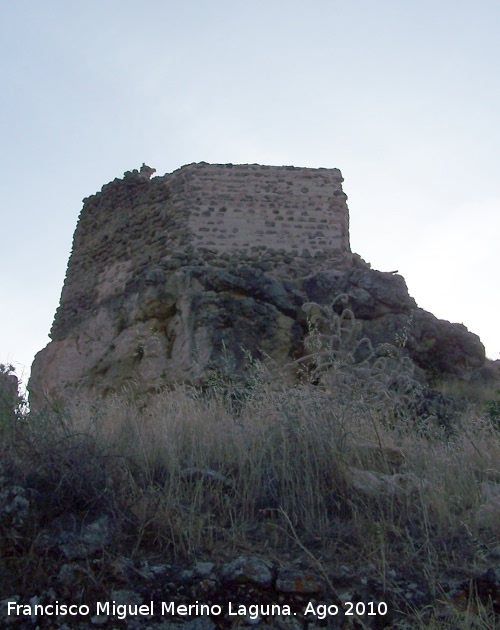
x: 183, y: 276
x: 389, y: 315
x: 194, y: 322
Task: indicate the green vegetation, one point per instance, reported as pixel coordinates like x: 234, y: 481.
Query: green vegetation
x: 13, y: 405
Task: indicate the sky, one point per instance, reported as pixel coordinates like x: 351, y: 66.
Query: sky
x: 402, y: 96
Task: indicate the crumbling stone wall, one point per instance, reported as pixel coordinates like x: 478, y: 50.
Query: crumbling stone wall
x: 286, y: 219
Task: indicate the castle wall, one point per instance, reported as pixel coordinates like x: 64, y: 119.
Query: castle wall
x: 285, y: 219
x: 246, y: 208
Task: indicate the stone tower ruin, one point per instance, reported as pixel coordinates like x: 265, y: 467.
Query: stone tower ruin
x: 144, y: 251
x: 180, y: 277
x: 292, y: 220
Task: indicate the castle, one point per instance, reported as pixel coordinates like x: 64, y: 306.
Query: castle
x: 180, y: 276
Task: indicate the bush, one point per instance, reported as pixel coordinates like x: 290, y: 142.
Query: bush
x: 13, y: 405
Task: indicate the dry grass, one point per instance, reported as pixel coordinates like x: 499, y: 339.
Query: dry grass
x: 343, y: 470
x: 271, y: 469
x: 204, y: 474
x: 195, y: 471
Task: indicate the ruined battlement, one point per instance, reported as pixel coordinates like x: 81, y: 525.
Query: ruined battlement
x: 286, y: 219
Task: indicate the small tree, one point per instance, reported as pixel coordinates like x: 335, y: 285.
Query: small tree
x: 12, y: 403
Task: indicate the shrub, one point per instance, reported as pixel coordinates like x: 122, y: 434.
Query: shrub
x: 13, y: 405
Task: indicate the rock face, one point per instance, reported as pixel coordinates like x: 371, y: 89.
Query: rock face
x: 177, y: 277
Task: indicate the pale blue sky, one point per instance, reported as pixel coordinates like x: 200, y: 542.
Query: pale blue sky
x: 402, y: 96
